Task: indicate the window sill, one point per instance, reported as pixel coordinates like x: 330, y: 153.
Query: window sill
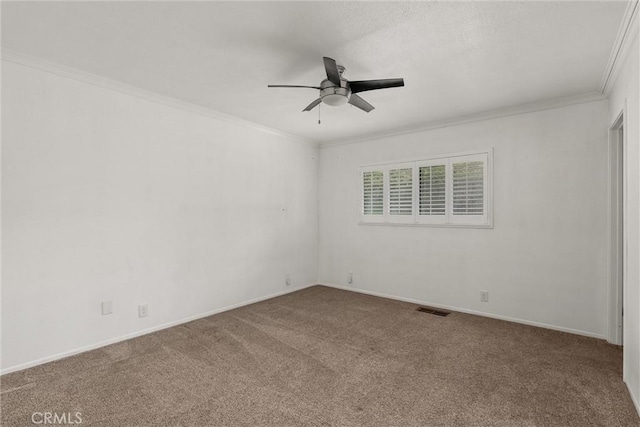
x: 413, y: 224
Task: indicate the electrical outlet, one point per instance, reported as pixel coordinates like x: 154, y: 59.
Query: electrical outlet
x: 484, y: 296
x: 350, y: 277
x: 287, y: 280
x: 143, y: 310
x: 107, y: 307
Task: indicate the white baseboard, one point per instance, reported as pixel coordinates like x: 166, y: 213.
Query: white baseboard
x: 467, y: 311
x: 94, y: 346
x: 634, y: 399
x: 100, y: 344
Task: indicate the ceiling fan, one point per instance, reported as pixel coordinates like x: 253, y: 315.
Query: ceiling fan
x: 336, y: 90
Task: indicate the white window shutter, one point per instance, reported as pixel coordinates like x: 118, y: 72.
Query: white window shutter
x: 468, y: 188
x: 372, y: 192
x: 431, y: 193
x: 453, y: 190
x: 401, y: 191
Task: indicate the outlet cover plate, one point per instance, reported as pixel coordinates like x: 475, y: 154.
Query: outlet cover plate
x: 107, y: 307
x: 143, y: 310
x: 484, y: 296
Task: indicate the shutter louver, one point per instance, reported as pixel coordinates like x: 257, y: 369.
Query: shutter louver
x: 432, y: 190
x: 401, y: 191
x: 468, y: 188
x: 372, y: 191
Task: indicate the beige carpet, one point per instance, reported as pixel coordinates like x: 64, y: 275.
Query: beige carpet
x: 325, y: 357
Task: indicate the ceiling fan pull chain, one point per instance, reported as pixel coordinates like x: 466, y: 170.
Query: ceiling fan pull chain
x: 319, y: 113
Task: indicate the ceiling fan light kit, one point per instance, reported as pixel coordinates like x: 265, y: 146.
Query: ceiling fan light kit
x: 335, y: 96
x: 335, y: 90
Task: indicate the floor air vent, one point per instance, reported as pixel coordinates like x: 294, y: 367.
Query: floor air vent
x: 436, y: 311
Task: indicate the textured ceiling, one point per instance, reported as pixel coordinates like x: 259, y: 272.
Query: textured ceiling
x: 457, y: 58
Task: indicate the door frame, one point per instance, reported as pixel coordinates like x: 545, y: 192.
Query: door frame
x: 617, y: 228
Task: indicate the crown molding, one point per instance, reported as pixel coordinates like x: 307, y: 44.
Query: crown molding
x: 627, y: 32
x: 103, y: 82
x: 487, y: 115
x: 100, y: 81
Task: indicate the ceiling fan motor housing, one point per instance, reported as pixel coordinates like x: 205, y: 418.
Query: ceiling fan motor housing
x: 335, y: 95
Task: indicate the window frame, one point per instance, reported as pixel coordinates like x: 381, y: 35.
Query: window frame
x: 448, y: 219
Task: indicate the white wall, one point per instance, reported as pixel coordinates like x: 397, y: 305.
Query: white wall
x: 545, y: 260
x: 624, y: 97
x: 107, y: 196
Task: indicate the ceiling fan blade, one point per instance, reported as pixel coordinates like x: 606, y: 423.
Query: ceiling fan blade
x: 313, y: 104
x: 363, y: 85
x: 356, y: 101
x: 332, y: 70
x: 310, y: 87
